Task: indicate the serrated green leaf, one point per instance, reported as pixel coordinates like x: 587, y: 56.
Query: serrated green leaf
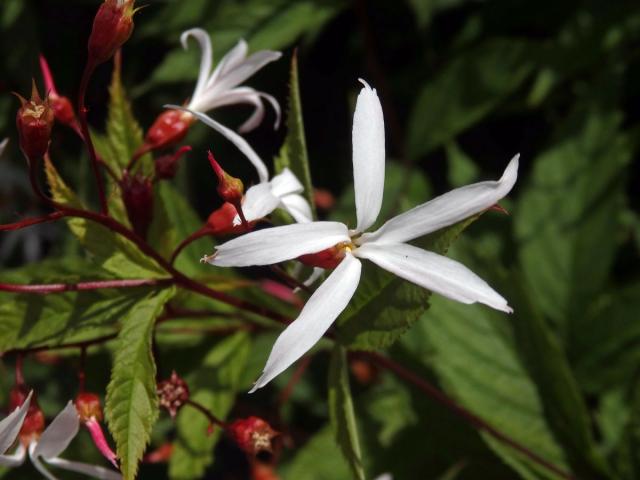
x: 465, y: 91
x: 342, y: 413
x: 30, y: 320
x: 111, y: 251
x: 132, y: 405
x: 293, y: 154
x: 214, y: 385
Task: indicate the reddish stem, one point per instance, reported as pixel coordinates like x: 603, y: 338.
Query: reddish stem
x: 81, y: 374
x: 295, y: 379
x: 207, y: 413
x: 63, y: 346
x: 47, y: 288
x: 27, y: 222
x: 477, y: 422
x: 202, y: 232
x: 19, y: 372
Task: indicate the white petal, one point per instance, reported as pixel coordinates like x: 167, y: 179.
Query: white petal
x: 231, y: 60
x: 277, y: 244
x: 258, y: 202
x: 256, y: 118
x: 15, y: 459
x: 35, y: 459
x: 233, y: 137
x: 245, y: 69
x: 10, y: 426
x: 4, y: 143
x: 368, y: 157
x: 206, y: 58
x: 446, y: 209
x: 315, y: 275
x: 285, y: 183
x: 298, y: 207
x: 58, y: 435
x: 434, y: 272
x: 320, y: 311
x: 93, y: 471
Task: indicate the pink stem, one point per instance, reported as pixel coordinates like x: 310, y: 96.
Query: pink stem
x: 47, y: 288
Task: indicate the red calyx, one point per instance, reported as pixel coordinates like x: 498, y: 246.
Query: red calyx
x: 112, y: 27
x: 169, y: 128
x: 34, y: 422
x: 167, y: 165
x: 173, y: 393
x: 62, y: 107
x: 253, y: 435
x: 88, y: 406
x: 34, y: 120
x: 221, y: 221
x: 328, y: 258
x: 137, y: 194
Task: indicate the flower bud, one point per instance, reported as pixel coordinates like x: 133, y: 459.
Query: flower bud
x: 88, y: 406
x: 167, y: 165
x: 169, y: 128
x: 328, y: 258
x: 173, y: 393
x: 137, y: 194
x: 229, y: 188
x: 34, y: 121
x: 253, y: 435
x: 112, y: 27
x: 62, y: 107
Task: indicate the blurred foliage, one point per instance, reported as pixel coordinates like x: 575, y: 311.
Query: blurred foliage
x: 465, y: 85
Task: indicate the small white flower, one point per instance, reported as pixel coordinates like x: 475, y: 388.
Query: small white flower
x: 220, y: 87
x: 386, y: 247
x: 53, y: 441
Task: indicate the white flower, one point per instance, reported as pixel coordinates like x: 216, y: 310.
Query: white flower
x: 220, y: 87
x: 53, y: 441
x: 386, y: 247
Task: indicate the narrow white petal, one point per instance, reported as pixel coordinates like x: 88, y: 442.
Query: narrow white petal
x: 298, y: 207
x: 35, y: 459
x: 15, y: 459
x: 315, y: 275
x: 432, y: 271
x: 233, y: 137
x: 258, y: 202
x: 11, y: 425
x: 231, y: 60
x: 93, y: 471
x: 256, y: 117
x: 277, y: 244
x: 285, y: 183
x: 58, y: 435
x: 368, y: 157
x: 445, y: 210
x: 245, y: 127
x: 246, y: 68
x: 320, y: 311
x: 4, y: 143
x: 206, y: 58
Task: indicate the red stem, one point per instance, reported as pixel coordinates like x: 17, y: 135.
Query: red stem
x: 477, y: 422
x: 295, y: 378
x: 207, y: 413
x: 202, y: 232
x: 47, y: 288
x: 63, y: 346
x: 19, y: 373
x: 27, y: 222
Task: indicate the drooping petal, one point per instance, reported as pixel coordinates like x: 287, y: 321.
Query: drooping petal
x: 274, y: 245
x: 99, y: 440
x: 368, y: 157
x: 233, y: 137
x: 245, y: 69
x: 256, y: 118
x: 15, y: 459
x: 446, y: 209
x: 11, y: 425
x: 58, y: 435
x: 434, y: 272
x: 93, y: 471
x: 35, y: 459
x: 298, y: 207
x: 206, y: 58
x: 285, y: 183
x: 315, y: 275
x: 231, y: 60
x: 320, y: 311
x: 258, y: 202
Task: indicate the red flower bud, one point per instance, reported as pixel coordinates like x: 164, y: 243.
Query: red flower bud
x: 169, y: 128
x: 112, y: 27
x: 224, y: 221
x: 173, y: 393
x: 323, y: 199
x: 34, y: 121
x: 327, y: 258
x: 62, y: 108
x: 137, y: 194
x: 88, y: 406
x: 34, y: 422
x: 229, y: 188
x: 253, y: 435
x: 167, y: 165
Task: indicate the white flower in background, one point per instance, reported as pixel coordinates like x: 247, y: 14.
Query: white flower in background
x: 386, y: 247
x: 220, y: 87
x: 50, y: 444
x: 282, y: 191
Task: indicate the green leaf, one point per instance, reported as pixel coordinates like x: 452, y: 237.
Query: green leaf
x: 341, y: 412
x: 132, y: 405
x: 385, y: 306
x: 465, y: 91
x: 111, y: 251
x: 568, y: 211
x: 563, y: 404
x: 214, y: 385
x: 29, y: 320
x: 293, y: 154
